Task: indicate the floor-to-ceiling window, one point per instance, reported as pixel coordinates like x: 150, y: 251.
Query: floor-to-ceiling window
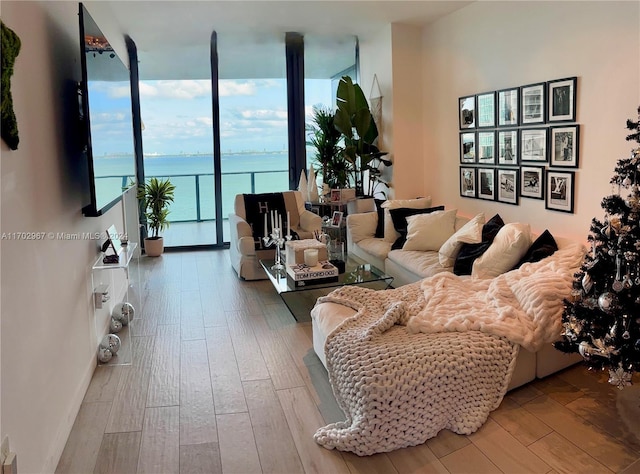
x: 253, y: 115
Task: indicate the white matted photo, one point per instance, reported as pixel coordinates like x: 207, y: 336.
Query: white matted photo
x: 508, y: 147
x: 532, y: 182
x: 508, y: 186
x: 533, y: 145
x: 486, y: 147
x: 336, y: 220
x: 532, y: 103
x: 561, y: 98
x: 564, y: 143
x: 467, y: 110
x: 467, y: 182
x: 560, y: 187
x: 508, y: 107
x: 468, y: 147
x: 487, y: 183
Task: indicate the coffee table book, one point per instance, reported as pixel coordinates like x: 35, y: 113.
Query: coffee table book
x: 302, y: 275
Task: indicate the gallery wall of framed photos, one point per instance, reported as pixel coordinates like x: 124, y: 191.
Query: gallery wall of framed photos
x: 521, y: 142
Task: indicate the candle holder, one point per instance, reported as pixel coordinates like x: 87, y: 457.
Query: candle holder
x: 274, y: 238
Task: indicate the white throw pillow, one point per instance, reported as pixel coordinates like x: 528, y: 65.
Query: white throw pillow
x: 429, y: 231
x: 510, y: 245
x: 361, y: 224
x: 470, y: 233
x: 390, y: 234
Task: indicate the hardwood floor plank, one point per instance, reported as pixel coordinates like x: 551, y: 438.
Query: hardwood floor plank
x: 564, y: 422
x: 416, y: 460
x: 238, y: 452
x: 632, y: 469
x: 160, y: 444
x: 251, y: 365
x: 82, y: 447
x: 304, y: 419
x: 104, y: 384
x: 566, y: 457
x: 522, y: 425
x: 317, y: 382
x: 524, y: 394
x: 558, y: 390
x: 164, y: 386
x: 212, y: 310
x: 127, y: 413
x: 469, y: 460
x: 505, y: 451
x: 447, y: 442
x: 144, y: 326
x: 197, y: 415
x: 277, y: 315
x: 275, y: 445
x: 200, y: 459
x: 374, y: 464
x: 119, y: 453
x: 191, y: 319
x: 228, y: 396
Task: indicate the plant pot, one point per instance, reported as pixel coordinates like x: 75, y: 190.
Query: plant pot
x: 154, y: 247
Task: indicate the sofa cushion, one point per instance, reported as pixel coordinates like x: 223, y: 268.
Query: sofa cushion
x: 376, y: 247
x: 424, y: 264
x: 361, y: 225
x: 399, y: 218
x: 544, y: 246
x: 469, y: 252
x: 429, y: 231
x: 470, y: 233
x: 509, y: 246
x: 390, y: 234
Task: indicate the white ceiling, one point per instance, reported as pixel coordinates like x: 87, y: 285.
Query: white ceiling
x: 173, y: 37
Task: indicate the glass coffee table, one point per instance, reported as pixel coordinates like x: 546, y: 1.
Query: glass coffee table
x: 300, y: 300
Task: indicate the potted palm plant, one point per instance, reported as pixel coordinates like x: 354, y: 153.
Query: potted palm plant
x: 354, y: 121
x: 325, y: 139
x: 155, y: 196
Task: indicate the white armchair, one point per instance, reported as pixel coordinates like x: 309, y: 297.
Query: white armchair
x: 245, y: 254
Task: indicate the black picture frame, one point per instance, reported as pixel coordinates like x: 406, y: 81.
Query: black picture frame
x: 467, y: 112
x: 486, y: 110
x: 486, y: 147
x: 508, y: 107
x: 564, y: 145
x: 560, y: 187
x: 532, y: 182
x: 533, y: 103
x: 534, y: 145
x: 468, y: 183
x: 507, y: 147
x: 507, y: 189
x: 467, y: 147
x: 561, y: 100
x: 486, y: 183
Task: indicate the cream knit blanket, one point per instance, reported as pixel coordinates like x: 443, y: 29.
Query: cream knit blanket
x: 400, y: 387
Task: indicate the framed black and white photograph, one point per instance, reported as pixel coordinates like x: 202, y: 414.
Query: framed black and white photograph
x: 467, y: 112
x: 564, y: 146
x: 532, y: 182
x: 533, y: 145
x: 508, y: 186
x: 486, y: 110
x: 468, y: 147
x: 467, y: 182
x: 532, y: 103
x: 487, y: 183
x: 508, y: 147
x: 336, y: 220
x: 508, y: 107
x: 561, y: 100
x: 486, y: 148
x: 559, y: 190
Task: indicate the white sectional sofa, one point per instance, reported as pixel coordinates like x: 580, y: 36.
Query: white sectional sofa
x: 409, y: 266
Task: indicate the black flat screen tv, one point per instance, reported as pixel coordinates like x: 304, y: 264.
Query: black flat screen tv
x: 105, y: 111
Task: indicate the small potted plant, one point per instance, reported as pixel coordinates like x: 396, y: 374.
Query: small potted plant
x: 155, y: 197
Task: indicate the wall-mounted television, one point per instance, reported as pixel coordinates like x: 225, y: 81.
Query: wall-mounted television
x: 105, y: 103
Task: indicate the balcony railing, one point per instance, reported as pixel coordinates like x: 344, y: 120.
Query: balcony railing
x: 201, y: 190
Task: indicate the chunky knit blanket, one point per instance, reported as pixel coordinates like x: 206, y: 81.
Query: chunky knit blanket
x: 399, y: 373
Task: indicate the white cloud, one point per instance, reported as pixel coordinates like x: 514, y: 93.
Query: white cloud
x: 187, y: 89
x: 227, y: 88
x: 208, y: 121
x: 264, y: 114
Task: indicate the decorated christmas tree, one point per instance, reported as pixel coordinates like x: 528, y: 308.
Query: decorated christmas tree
x: 602, y: 320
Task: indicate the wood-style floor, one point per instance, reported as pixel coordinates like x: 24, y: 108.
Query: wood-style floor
x: 224, y: 380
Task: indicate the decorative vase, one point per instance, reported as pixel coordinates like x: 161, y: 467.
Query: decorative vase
x: 154, y: 247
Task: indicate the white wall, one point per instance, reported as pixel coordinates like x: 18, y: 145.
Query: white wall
x: 494, y: 45
x: 48, y: 350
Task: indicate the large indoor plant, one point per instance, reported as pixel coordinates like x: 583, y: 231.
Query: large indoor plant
x: 354, y: 121
x: 325, y: 139
x: 155, y: 196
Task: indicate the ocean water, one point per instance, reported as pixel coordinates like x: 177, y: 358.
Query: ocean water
x: 271, y: 175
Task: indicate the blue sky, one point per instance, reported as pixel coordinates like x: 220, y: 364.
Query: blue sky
x: 177, y: 115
